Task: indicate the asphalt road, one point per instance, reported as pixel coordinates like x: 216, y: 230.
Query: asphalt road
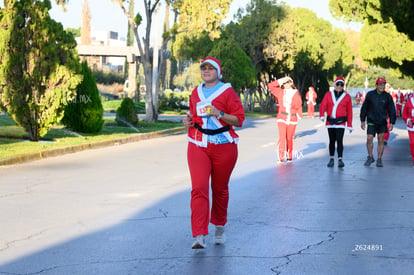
x: 126, y: 209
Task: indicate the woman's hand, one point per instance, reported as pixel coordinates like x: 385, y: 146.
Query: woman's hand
x: 214, y: 111
x: 188, y: 121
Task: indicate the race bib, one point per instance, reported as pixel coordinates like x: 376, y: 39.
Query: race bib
x: 412, y: 112
x: 202, y: 109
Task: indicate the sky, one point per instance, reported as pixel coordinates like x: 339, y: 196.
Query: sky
x: 106, y: 15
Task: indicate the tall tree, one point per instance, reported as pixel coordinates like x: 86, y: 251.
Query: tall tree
x: 199, y: 23
x: 166, y: 68
x: 305, y: 46
x: 237, y: 68
x: 207, y: 14
x: 400, y: 12
x: 388, y: 23
x: 38, y: 66
x: 151, y: 108
x: 253, y: 33
x: 130, y: 33
x: 84, y: 112
x: 86, y: 24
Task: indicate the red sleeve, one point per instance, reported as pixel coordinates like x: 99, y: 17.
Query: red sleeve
x: 349, y: 110
x: 324, y: 106
x: 230, y: 103
x: 299, y: 103
x: 191, y: 102
x: 407, y: 110
x: 193, y: 107
x: 275, y: 89
x: 236, y: 107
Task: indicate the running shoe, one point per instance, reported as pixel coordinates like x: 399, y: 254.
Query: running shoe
x: 379, y: 163
x: 199, y: 242
x: 369, y: 161
x: 219, y: 237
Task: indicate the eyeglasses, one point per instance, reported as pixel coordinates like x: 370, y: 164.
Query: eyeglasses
x: 207, y: 68
x: 339, y: 84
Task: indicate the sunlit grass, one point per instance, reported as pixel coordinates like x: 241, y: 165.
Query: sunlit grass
x: 14, y: 140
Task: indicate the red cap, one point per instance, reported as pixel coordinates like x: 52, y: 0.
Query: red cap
x: 215, y: 63
x: 380, y: 80
x: 340, y: 79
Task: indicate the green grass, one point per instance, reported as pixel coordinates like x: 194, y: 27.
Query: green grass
x: 113, y: 105
x: 14, y: 140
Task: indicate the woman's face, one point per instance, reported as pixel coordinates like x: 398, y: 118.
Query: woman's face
x: 208, y: 73
x: 339, y: 86
x: 288, y: 85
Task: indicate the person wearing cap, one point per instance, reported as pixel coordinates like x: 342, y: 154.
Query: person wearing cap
x: 290, y: 111
x: 399, y: 102
x: 215, y: 108
x: 311, y: 101
x: 408, y: 117
x: 337, y: 105
x: 387, y: 134
x: 358, y: 97
x: 378, y: 105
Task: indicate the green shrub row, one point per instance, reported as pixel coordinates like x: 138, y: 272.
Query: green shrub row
x: 174, y: 101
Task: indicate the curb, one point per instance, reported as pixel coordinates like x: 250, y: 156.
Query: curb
x: 87, y: 146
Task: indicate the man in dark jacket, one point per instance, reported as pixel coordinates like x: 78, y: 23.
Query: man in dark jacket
x: 377, y: 106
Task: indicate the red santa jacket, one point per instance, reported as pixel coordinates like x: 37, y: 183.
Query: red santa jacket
x: 290, y: 103
x: 408, y: 112
x: 225, y: 99
x: 311, y: 98
x: 339, y: 111
x: 399, y: 97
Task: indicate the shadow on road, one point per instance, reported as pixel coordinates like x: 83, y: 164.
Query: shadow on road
x: 297, y: 218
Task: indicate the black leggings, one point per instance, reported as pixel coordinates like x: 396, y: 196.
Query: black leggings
x: 336, y: 135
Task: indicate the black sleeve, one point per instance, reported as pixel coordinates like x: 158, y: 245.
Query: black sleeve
x: 392, y: 113
x: 364, y: 109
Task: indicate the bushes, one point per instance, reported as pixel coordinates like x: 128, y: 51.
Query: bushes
x: 173, y: 101
x: 84, y: 112
x: 126, y: 113
x: 108, y: 78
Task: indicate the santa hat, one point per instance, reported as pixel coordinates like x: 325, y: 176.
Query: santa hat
x: 288, y: 79
x: 311, y: 88
x: 340, y: 79
x: 213, y: 62
x: 380, y: 80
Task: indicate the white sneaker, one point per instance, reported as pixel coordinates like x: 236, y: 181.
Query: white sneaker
x: 199, y: 242
x: 219, y: 237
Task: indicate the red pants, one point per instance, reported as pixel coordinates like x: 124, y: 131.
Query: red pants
x: 311, y: 110
x: 411, y: 137
x: 286, y: 133
x: 387, y: 134
x: 399, y: 109
x: 216, y: 161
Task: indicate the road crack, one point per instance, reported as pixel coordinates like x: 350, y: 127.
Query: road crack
x: 288, y: 257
